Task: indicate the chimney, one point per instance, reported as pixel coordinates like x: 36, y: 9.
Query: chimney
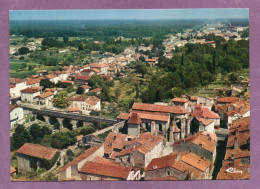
x: 235, y: 143
x: 237, y: 132
x: 114, y: 137
x: 199, y: 162
x: 232, y: 156
x: 178, y: 157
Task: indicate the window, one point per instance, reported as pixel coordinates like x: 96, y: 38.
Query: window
x: 160, y: 127
x: 168, y: 173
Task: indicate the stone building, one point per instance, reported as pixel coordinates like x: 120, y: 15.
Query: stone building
x: 139, y: 152
x: 103, y: 169
x: 29, y: 156
x: 181, y: 166
x: 71, y: 170
x: 202, y: 144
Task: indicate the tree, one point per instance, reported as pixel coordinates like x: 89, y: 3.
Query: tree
x: 142, y: 58
x: 46, y: 83
x: 46, y: 131
x: 177, y: 91
x: 20, y: 137
x: 61, y: 102
x: 141, y: 68
x: 65, y: 39
x: 36, y: 131
x: 23, y: 50
x: 87, y: 130
x: 80, y: 90
x: 57, y: 125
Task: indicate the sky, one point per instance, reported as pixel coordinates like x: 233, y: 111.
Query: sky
x: 110, y: 14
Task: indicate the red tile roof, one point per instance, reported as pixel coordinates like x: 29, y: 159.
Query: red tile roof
x: 206, y: 139
x: 81, y: 157
x: 183, y: 161
x: 83, y: 77
x: 73, y: 109
x: 193, y: 98
x: 12, y: 170
x: 101, y: 169
x: 183, y: 100
x: 51, y: 76
x: 228, y: 99
x: 45, y: 95
x: 242, y: 124
x: 36, y: 150
x: 31, y: 90
x: 165, y: 178
x: 242, y: 139
x: 244, y: 170
x: 96, y: 90
x: 204, y: 112
x: 134, y: 119
x: 15, y: 80
x: 123, y: 115
x: 238, y: 153
x: 114, y: 141
x: 159, y: 108
x: 145, y: 143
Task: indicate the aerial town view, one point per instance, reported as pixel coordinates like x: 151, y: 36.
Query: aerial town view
x: 129, y: 95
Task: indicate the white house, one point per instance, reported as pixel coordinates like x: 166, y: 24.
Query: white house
x: 16, y: 85
x: 86, y: 104
x: 44, y: 99
x: 28, y: 94
x: 53, y: 78
x: 16, y: 115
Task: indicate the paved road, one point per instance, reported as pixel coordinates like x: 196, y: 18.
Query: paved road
x: 60, y: 114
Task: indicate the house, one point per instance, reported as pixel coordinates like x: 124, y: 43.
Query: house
x: 101, y: 67
x: 88, y: 72
x: 227, y: 100
x: 30, y: 156
x: 202, y: 144
x: 114, y: 143
x: 229, y: 116
x: 85, y: 87
x: 103, y: 169
x: 181, y: 166
x: 16, y: 85
x: 180, y: 102
x: 44, y: 99
x: 142, y: 121
x: 237, y: 155
x: 16, y: 115
x: 86, y: 104
x: 28, y: 94
x: 53, y: 78
x: 81, y: 79
x: 53, y: 90
x: 71, y: 170
x: 139, y: 152
x: 97, y: 90
x: 202, y: 112
x: 33, y: 82
x: 179, y: 113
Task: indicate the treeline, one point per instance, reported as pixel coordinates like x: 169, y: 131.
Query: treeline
x: 101, y: 29
x: 193, y: 66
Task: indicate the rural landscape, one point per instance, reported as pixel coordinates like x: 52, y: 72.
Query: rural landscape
x: 129, y: 99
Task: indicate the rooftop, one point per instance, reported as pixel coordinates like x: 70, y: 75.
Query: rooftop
x: 159, y: 108
x: 36, y: 150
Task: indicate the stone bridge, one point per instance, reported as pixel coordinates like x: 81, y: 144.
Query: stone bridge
x: 74, y: 118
